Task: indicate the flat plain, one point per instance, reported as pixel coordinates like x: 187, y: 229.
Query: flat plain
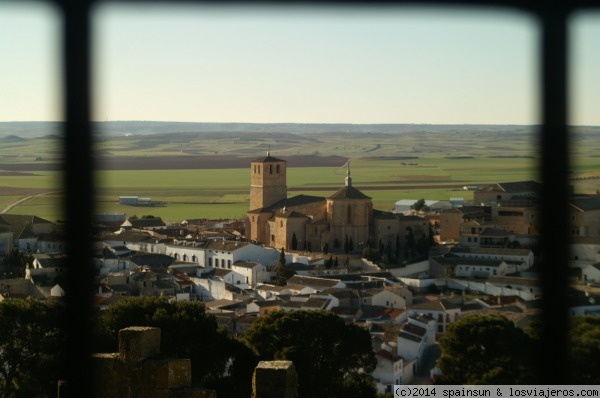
x: 202, y: 170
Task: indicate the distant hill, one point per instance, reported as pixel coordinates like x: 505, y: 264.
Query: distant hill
x: 13, y: 138
x: 30, y: 129
x: 123, y: 128
x: 119, y: 128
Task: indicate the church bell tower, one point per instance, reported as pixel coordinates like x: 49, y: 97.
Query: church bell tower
x: 267, y: 182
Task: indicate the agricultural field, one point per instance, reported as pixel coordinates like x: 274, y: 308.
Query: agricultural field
x: 207, y: 174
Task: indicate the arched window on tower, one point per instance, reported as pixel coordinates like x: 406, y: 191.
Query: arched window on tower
x: 349, y: 214
x: 277, y: 169
x: 270, y: 169
x: 258, y: 169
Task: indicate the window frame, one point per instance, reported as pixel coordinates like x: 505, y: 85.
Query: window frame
x: 79, y: 166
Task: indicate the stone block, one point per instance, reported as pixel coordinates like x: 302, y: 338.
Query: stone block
x: 275, y: 379
x: 165, y: 374
x: 138, y: 343
x: 109, y: 376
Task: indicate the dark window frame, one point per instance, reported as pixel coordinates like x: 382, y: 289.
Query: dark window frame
x: 78, y: 178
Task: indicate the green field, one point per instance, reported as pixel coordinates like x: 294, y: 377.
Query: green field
x: 386, y: 167
x: 223, y: 193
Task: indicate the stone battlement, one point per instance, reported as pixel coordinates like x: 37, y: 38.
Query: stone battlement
x: 138, y: 371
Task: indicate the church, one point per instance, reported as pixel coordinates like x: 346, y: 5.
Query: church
x: 308, y: 222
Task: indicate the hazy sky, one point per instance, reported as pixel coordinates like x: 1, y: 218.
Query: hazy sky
x: 322, y: 65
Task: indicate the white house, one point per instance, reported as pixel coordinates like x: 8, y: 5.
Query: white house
x: 443, y: 311
x: 253, y: 271
x: 219, y: 253
x: 414, y: 338
x: 147, y: 241
x: 150, y: 224
x: 526, y: 288
x: 210, y: 288
x: 57, y: 291
x: 392, y: 370
x: 51, y: 243
x: 591, y: 273
x: 230, y: 277
x: 392, y: 296
x: 517, y: 256
x: 46, y: 265
x: 472, y: 268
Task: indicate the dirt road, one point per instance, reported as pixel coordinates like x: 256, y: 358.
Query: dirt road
x: 24, y: 199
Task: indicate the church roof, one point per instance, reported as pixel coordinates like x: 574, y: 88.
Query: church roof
x: 268, y: 159
x: 512, y: 187
x: 348, y: 192
x: 384, y: 215
x: 586, y: 203
x: 298, y: 200
x: 292, y: 214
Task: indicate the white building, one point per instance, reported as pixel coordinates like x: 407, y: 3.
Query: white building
x: 406, y: 204
x: 416, y: 335
x: 443, y: 311
x: 392, y: 370
x: 253, y: 271
x: 524, y: 256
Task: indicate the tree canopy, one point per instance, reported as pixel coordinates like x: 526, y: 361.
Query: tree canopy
x: 584, y: 350
x: 487, y: 349
x: 420, y: 205
x: 327, y: 353
x: 30, y: 363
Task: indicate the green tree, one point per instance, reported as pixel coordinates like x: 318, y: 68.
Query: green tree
x: 419, y: 205
x: 30, y: 363
x: 423, y: 245
x: 336, y: 243
x: 367, y: 252
x: 294, y: 242
x: 346, y: 245
x: 430, y: 236
x: 328, y: 354
x: 584, y: 350
x: 325, y: 247
x: 281, y: 274
x: 487, y: 349
x: 410, y: 249
x: 329, y: 262
x: 187, y: 331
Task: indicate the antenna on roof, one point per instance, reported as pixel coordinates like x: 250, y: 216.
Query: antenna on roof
x: 269, y: 151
